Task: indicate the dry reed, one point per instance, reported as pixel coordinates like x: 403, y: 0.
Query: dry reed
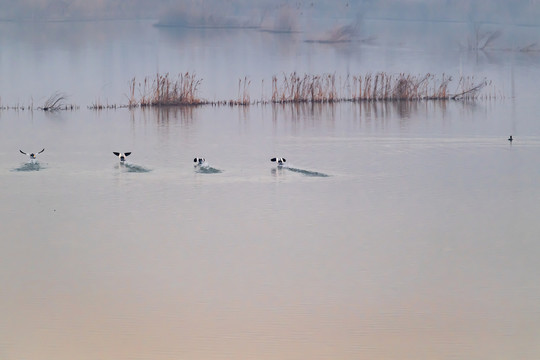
x: 243, y: 93
x: 56, y: 102
x: 293, y: 88
x: 162, y: 90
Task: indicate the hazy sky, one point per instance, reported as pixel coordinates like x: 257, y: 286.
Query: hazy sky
x: 504, y: 11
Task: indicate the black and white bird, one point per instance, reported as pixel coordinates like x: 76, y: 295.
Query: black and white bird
x: 122, y: 156
x: 279, y: 160
x: 199, y: 161
x: 32, y: 155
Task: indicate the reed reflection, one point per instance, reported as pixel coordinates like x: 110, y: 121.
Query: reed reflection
x: 301, y: 112
x: 164, y: 116
x: 367, y: 112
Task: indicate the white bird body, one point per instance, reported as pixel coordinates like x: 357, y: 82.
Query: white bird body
x: 280, y: 161
x: 122, y: 156
x: 200, y: 162
x: 32, y: 156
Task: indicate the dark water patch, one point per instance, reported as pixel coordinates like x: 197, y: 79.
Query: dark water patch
x: 307, y: 172
x: 207, y: 170
x: 29, y: 166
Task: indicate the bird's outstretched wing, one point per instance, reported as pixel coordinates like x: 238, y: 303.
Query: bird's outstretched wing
x: 116, y: 153
x: 284, y: 160
x: 22, y: 152
x: 127, y: 153
x: 41, y: 151
x: 273, y: 159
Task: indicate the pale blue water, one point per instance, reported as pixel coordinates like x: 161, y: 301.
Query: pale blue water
x: 396, y: 231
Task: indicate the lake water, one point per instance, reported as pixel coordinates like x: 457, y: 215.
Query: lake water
x: 396, y: 230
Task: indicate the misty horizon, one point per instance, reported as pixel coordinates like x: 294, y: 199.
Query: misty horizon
x: 255, y: 14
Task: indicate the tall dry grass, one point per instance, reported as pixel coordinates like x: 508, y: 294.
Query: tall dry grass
x: 294, y: 88
x: 306, y: 88
x: 243, y: 93
x: 163, y: 90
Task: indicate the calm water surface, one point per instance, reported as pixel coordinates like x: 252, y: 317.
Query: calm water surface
x: 397, y: 231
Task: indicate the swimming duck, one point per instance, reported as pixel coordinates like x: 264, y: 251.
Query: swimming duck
x: 199, y: 161
x: 279, y: 160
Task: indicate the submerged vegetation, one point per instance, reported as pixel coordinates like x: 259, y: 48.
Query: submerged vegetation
x: 99, y: 105
x: 18, y: 107
x: 55, y: 102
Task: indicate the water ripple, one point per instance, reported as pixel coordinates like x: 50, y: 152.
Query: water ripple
x: 132, y: 168
x: 29, y: 166
x: 307, y: 172
x: 207, y: 170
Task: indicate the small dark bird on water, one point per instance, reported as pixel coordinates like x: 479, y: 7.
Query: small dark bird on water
x: 510, y: 139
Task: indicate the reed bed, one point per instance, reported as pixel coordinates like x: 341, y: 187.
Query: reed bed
x: 243, y: 92
x: 293, y: 88
x: 163, y: 90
